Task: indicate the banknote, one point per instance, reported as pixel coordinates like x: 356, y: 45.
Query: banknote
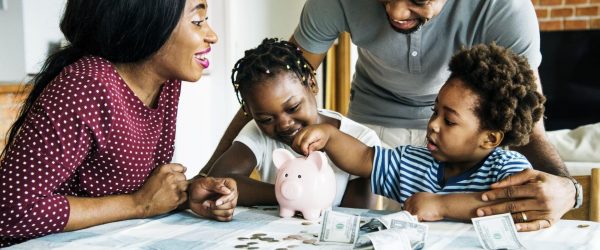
x: 402, y: 215
x: 415, y: 232
x: 390, y: 239
x: 337, y: 227
x: 497, y: 232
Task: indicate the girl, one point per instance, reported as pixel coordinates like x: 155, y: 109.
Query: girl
x: 276, y: 86
x: 94, y: 139
x: 489, y: 101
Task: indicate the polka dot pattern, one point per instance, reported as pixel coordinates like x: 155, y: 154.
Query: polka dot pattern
x: 87, y: 135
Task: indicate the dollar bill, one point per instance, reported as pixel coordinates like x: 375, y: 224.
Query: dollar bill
x: 497, y: 232
x: 402, y: 215
x: 339, y: 227
x: 392, y: 239
x: 415, y: 232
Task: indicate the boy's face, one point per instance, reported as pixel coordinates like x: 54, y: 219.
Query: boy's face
x: 453, y: 131
x: 282, y: 106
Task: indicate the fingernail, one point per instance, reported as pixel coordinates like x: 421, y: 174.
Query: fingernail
x: 480, y: 212
x: 484, y: 197
x: 219, y: 203
x: 518, y: 227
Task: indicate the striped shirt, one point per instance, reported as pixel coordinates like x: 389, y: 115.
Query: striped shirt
x: 400, y: 172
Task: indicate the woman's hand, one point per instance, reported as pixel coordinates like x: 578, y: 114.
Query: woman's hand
x: 213, y: 198
x: 426, y: 206
x: 164, y: 190
x: 536, y: 199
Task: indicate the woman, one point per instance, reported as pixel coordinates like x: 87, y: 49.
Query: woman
x: 94, y: 139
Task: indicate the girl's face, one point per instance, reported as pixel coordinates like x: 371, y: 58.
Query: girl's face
x: 282, y: 106
x: 453, y: 131
x: 183, y: 56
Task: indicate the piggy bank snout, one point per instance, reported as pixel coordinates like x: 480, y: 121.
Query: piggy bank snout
x: 291, y: 190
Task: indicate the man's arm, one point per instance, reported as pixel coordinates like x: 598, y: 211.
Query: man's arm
x: 235, y: 126
x: 314, y: 59
x: 542, y: 155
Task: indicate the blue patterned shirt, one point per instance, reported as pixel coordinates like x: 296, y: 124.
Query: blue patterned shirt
x: 400, y: 172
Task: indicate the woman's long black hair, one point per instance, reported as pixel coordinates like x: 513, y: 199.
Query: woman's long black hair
x: 121, y: 31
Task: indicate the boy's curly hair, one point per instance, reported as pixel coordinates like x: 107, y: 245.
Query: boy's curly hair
x: 270, y: 58
x: 506, y: 86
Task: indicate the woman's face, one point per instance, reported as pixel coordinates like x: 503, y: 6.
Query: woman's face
x: 282, y: 106
x: 183, y: 56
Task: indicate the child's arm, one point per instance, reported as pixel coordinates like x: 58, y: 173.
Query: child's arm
x: 237, y: 163
x: 347, y: 152
x: 455, y: 206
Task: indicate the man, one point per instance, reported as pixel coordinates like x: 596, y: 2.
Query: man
x: 404, y: 47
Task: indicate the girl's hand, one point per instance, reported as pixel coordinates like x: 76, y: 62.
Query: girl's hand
x: 426, y: 206
x: 163, y: 191
x: 312, y: 138
x: 213, y: 198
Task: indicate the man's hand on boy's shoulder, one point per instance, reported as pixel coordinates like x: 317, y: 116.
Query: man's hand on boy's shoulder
x: 214, y: 198
x: 536, y: 199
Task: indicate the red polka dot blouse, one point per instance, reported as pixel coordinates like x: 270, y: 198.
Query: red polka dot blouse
x: 86, y: 135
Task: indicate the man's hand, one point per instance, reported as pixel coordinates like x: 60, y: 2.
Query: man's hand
x: 536, y: 199
x: 426, y: 206
x: 213, y: 198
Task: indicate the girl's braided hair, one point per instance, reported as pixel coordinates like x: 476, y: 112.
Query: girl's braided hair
x: 269, y: 59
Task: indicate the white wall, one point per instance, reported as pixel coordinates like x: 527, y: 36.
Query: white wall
x: 28, y: 27
x: 12, y: 47
x: 41, y: 28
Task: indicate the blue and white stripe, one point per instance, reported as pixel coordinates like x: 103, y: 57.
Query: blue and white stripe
x: 402, y: 171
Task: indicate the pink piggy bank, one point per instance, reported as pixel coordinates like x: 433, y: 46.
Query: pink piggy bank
x: 303, y: 184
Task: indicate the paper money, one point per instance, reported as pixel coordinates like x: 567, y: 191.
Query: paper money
x: 339, y: 227
x: 415, y: 232
x: 390, y: 239
x: 402, y: 215
x: 497, y: 232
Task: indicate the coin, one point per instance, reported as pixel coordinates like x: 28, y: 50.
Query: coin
x: 583, y: 225
x: 252, y: 243
x: 281, y: 248
x: 259, y: 234
x: 240, y: 246
x: 306, y: 223
x: 253, y: 247
x: 311, y: 241
x: 292, y: 246
x: 243, y: 238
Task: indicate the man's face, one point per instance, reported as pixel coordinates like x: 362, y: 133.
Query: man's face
x: 407, y: 16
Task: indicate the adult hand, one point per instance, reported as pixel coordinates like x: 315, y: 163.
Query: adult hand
x: 213, y: 198
x: 426, y: 206
x: 536, y: 199
x: 164, y: 190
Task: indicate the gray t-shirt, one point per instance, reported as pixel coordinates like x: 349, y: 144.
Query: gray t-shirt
x: 398, y: 76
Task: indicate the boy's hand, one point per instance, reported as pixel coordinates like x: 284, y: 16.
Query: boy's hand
x: 312, y: 138
x: 426, y: 206
x: 213, y: 198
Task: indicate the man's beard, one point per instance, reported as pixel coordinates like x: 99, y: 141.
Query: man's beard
x: 421, y: 21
